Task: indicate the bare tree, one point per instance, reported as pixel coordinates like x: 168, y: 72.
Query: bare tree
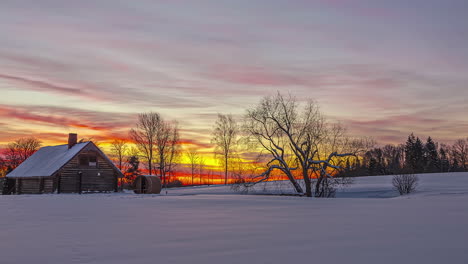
x: 460, y: 151
x: 21, y: 149
x: 209, y: 177
x: 144, y: 136
x: 245, y: 171
x: 295, y: 137
x: 238, y: 169
x: 158, y: 143
x: 193, y: 157
x: 168, y: 148
x: 224, y: 137
x: 119, y: 149
x: 405, y: 183
x: 201, y: 168
x: 335, y: 141
x: 3, y: 167
x: 89, y: 139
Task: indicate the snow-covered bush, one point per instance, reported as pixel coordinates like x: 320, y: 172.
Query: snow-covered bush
x: 405, y: 183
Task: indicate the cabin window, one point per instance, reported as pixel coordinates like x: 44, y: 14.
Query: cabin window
x: 88, y: 161
x: 92, y: 161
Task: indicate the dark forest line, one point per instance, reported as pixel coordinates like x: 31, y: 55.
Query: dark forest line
x: 412, y: 156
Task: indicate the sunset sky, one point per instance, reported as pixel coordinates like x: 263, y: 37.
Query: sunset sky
x: 384, y: 68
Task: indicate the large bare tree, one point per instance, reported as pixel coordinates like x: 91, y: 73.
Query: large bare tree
x: 224, y: 136
x: 168, y: 148
x: 21, y: 149
x: 295, y: 136
x: 158, y: 142
x: 144, y: 136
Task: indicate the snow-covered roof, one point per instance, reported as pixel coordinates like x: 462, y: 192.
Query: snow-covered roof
x: 47, y: 160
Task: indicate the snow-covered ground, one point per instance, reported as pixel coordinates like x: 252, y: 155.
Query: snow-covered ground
x: 216, y: 225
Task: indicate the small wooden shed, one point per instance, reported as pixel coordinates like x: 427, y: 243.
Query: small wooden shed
x: 147, y: 184
x: 71, y: 168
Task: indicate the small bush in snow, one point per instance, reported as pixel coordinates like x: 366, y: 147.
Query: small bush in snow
x: 405, y: 183
x: 174, y: 183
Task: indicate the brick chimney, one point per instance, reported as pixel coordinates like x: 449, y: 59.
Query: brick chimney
x: 72, y: 140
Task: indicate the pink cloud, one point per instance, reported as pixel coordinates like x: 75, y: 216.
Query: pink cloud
x: 67, y: 117
x: 252, y: 76
x: 42, y: 85
x: 395, y: 129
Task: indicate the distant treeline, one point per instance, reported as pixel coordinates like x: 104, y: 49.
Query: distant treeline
x: 414, y: 156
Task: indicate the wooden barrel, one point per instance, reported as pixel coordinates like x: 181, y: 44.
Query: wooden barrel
x: 147, y: 184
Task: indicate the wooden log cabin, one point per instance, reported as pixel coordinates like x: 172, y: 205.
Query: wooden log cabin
x: 71, y: 168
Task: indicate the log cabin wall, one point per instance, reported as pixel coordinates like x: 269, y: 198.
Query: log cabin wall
x: 48, y: 185
x: 36, y: 185
x: 98, y: 178
x: 30, y: 186
x: 68, y: 177
x: 102, y: 179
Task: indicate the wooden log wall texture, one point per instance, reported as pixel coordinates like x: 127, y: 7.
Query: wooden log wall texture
x: 93, y: 179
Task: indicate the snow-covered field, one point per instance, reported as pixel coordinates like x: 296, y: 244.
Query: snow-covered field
x: 367, y: 224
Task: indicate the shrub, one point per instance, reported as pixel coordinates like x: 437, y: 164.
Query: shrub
x: 405, y: 183
x: 237, y: 184
x: 174, y: 183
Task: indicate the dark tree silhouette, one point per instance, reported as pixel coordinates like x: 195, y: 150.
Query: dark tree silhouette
x: 19, y: 150
x: 299, y: 141
x: 431, y: 156
x: 224, y: 137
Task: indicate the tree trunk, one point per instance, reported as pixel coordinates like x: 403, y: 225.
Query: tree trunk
x: 296, y: 185
x: 150, y: 165
x: 162, y: 172
x: 317, y: 187
x: 192, y: 173
x: 225, y: 171
x: 307, y: 182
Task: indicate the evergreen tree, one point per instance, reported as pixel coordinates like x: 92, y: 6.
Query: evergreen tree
x: 133, y: 170
x: 444, y: 161
x: 409, y: 152
x: 420, y: 160
x: 414, y: 154
x: 431, y: 156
